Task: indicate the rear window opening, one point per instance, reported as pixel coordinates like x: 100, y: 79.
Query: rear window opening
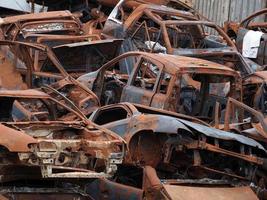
x: 111, y: 115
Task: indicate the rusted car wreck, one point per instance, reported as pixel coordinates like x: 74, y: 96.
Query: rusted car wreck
x: 57, y: 23
x: 157, y: 29
x: 160, y: 152
x: 38, y: 64
x: 63, y: 150
x: 153, y: 29
x: 180, y: 84
x: 129, y: 99
x: 17, y: 27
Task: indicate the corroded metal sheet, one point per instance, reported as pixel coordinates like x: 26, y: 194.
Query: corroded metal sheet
x: 209, y: 193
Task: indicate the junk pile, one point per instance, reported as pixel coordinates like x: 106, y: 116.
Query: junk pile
x: 131, y: 100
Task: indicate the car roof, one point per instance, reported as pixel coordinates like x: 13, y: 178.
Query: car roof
x: 189, y: 22
x: 31, y: 93
x: 36, y: 16
x: 174, y: 63
x: 157, y: 9
x: 162, y: 8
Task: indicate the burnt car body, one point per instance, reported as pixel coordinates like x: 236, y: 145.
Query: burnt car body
x: 21, y: 27
x: 60, y: 22
x: 49, y: 137
x: 96, y: 12
x: 159, y: 29
x: 80, y: 96
x: 85, y: 57
x: 22, y: 64
x: 253, y: 78
x: 159, y: 147
x: 242, y: 119
x: 180, y: 84
x: 145, y: 31
x: 254, y: 22
x: 38, y: 64
x: 118, y: 20
x: 52, y: 29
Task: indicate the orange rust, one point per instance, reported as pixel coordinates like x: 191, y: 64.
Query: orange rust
x: 15, y: 141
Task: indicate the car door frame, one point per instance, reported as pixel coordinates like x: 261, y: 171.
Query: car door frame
x: 133, y: 94
x: 25, y: 50
x: 48, y: 75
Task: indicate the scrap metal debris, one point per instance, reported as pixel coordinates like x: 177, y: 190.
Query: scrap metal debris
x: 130, y: 99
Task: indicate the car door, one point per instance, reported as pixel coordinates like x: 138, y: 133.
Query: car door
x: 115, y: 118
x: 142, y: 84
x: 163, y: 98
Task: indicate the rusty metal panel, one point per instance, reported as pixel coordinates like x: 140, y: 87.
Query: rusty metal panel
x: 220, y: 11
x: 190, y: 193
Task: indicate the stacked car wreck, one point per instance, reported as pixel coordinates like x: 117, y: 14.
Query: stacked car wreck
x: 129, y: 100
